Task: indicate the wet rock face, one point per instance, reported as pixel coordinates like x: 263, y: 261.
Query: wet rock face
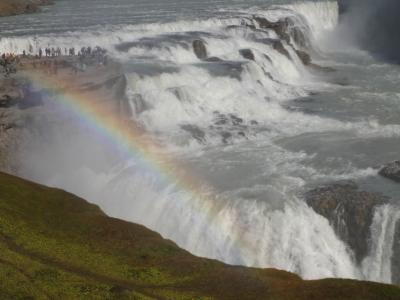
x: 195, y: 132
x: 286, y: 30
x: 299, y: 37
x: 213, y: 59
x: 247, y: 54
x: 280, y: 27
x: 349, y: 211
x: 278, y: 46
x: 304, y: 57
x: 391, y: 171
x: 199, y: 49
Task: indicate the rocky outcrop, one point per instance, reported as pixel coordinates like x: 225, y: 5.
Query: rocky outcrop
x: 213, y: 59
x: 349, y: 211
x: 299, y: 37
x: 304, y: 57
x: 286, y: 30
x: 247, y: 54
x: 295, y: 37
x: 200, y: 49
x: 195, y: 132
x: 280, y: 27
x: 391, y: 171
x: 278, y: 46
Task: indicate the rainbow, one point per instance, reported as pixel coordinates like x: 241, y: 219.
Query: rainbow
x: 127, y: 136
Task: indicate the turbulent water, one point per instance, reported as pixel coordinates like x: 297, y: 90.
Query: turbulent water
x: 254, y: 134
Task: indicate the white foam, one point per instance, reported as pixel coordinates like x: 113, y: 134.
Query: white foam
x: 261, y: 222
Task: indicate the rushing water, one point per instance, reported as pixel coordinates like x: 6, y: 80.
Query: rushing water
x: 255, y: 134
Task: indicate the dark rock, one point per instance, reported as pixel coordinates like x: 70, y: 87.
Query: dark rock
x: 249, y: 26
x: 286, y: 30
x: 349, y: 211
x: 213, y: 59
x: 140, y: 104
x: 236, y: 120
x: 304, y: 57
x: 280, y: 27
x: 391, y: 171
x: 278, y: 46
x: 253, y: 122
x: 200, y: 49
x: 195, y: 131
x: 226, y: 136
x: 7, y: 101
x: 247, y: 54
x: 299, y: 37
x: 221, y: 121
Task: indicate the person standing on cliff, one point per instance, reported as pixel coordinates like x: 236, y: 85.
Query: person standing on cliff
x: 40, y: 53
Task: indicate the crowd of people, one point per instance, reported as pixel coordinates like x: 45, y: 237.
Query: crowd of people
x: 85, y: 52
x: 86, y: 55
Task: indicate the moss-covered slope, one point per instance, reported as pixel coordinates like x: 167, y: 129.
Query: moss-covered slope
x: 54, y: 245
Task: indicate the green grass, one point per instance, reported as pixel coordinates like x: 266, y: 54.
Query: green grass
x: 54, y: 245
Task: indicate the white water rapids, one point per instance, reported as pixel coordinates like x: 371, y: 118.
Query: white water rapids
x: 255, y: 134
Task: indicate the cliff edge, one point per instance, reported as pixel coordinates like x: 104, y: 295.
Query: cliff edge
x: 56, y: 245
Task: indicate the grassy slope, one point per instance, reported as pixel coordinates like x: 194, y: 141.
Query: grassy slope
x: 55, y: 245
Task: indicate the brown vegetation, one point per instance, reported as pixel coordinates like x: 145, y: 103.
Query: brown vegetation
x: 16, y: 7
